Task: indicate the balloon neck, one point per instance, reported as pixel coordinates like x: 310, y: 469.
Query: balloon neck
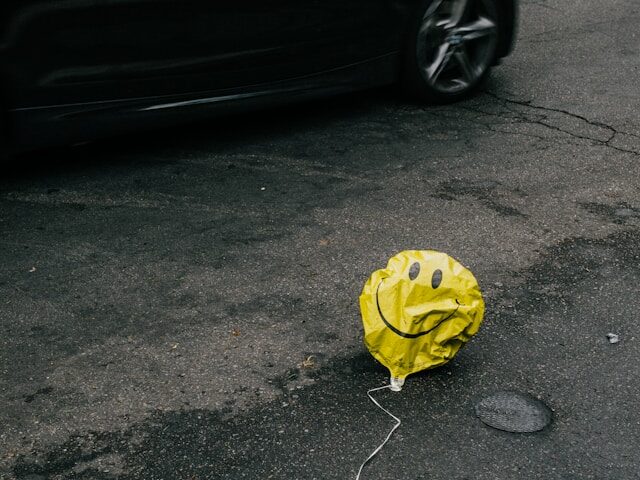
x: 396, y: 383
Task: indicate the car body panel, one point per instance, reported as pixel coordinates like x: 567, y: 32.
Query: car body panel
x: 131, y: 62
x: 63, y: 124
x: 60, y: 52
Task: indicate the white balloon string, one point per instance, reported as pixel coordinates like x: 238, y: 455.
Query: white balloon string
x: 375, y: 452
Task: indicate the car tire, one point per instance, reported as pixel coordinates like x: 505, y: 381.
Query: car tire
x: 450, y: 48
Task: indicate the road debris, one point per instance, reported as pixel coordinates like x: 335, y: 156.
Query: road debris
x: 613, y: 338
x: 308, y: 362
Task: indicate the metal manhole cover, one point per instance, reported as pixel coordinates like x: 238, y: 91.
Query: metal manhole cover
x: 513, y: 412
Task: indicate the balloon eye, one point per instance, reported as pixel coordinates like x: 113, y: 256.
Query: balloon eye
x: 414, y: 271
x: 436, y: 279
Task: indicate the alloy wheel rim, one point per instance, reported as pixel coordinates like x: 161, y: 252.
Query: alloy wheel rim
x: 456, y: 42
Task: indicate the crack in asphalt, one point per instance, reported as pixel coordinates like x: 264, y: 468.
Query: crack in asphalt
x: 492, y: 127
x: 517, y: 118
x: 613, y: 132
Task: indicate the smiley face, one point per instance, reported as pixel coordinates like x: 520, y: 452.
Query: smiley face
x: 428, y: 320
x: 419, y: 310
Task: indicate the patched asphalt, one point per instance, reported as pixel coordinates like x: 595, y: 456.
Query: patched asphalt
x: 183, y: 303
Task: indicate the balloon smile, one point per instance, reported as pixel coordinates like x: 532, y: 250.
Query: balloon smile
x: 407, y: 334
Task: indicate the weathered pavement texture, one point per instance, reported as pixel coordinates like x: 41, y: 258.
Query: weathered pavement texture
x: 184, y: 304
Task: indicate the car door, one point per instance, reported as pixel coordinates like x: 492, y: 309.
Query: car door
x: 56, y: 52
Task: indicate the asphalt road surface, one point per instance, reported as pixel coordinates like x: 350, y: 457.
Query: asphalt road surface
x: 183, y: 304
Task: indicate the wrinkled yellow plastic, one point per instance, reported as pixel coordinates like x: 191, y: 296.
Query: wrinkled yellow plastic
x: 408, y: 324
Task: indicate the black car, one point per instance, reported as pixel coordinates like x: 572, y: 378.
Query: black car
x: 72, y: 70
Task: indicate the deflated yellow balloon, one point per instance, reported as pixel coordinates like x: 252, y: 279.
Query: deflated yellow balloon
x: 419, y: 311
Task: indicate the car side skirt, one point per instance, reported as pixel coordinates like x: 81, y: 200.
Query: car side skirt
x: 38, y: 127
